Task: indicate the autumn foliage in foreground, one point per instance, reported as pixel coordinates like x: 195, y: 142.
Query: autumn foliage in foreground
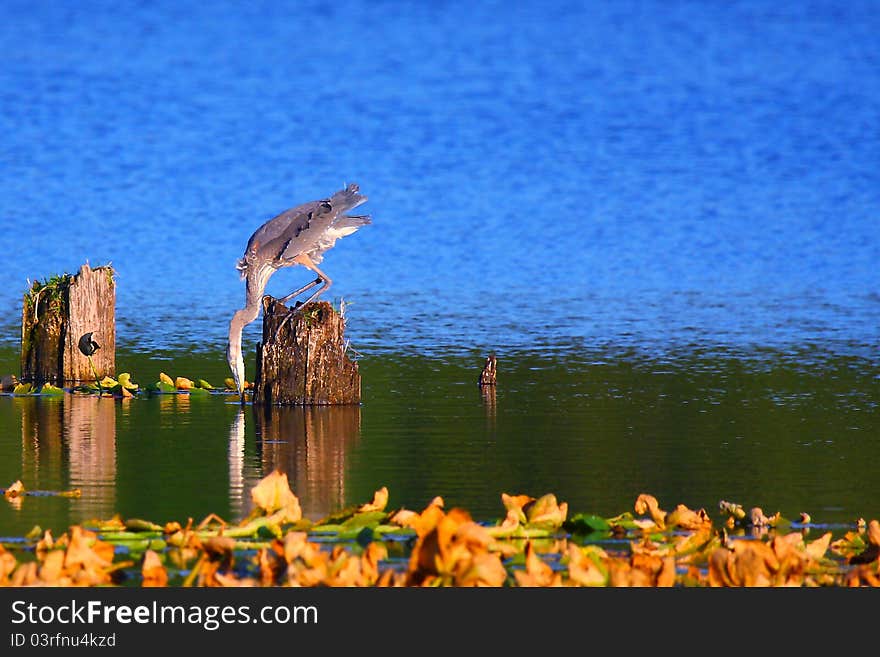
x: 536, y: 544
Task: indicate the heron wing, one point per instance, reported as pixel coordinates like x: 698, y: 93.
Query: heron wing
x: 310, y: 228
x: 279, y: 238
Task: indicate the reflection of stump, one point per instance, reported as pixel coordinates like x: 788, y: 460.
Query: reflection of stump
x: 302, y: 357
x: 56, y: 313
x: 311, y: 446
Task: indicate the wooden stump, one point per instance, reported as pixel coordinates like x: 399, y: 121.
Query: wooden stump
x: 302, y: 358
x: 56, y: 314
x: 487, y: 376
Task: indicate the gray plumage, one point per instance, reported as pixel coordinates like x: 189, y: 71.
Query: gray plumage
x: 298, y: 236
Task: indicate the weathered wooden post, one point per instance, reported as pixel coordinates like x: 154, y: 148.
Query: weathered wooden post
x: 56, y: 314
x: 487, y: 376
x: 303, y: 358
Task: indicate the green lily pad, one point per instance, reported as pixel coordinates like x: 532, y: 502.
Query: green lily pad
x: 368, y: 519
x: 161, y: 387
x: 585, y: 523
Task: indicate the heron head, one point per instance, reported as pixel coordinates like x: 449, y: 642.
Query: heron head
x: 236, y: 366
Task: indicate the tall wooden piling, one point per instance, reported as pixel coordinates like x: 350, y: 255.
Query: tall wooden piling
x: 303, y: 357
x: 56, y: 314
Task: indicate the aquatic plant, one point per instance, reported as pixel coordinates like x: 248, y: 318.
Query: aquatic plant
x: 535, y: 544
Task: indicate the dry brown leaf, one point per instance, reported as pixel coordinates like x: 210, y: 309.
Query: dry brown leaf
x: 7, y: 564
x: 452, y: 550
x: 874, y: 533
x: 172, y: 527
x: 45, y: 544
x: 788, y: 546
x: 863, y: 575
x: 748, y: 563
x: 52, y: 567
x: 219, y: 547
x: 515, y: 504
x: 273, y: 494
x: 428, y: 519
x: 546, y: 510
x: 391, y: 578
x: 229, y: 580
x: 686, y: 518
x: 816, y: 549
x: 152, y: 570
x: 271, y: 563
x: 295, y: 545
x: 373, y: 554
x: 87, y: 559
x: 483, y: 570
x: 666, y: 576
x: 182, y: 383
x: 758, y: 519
x: 404, y: 518
x: 536, y: 573
x: 582, y: 570
x: 344, y: 571
x: 15, y: 489
x: 380, y: 500
x: 648, y: 503
x: 25, y: 575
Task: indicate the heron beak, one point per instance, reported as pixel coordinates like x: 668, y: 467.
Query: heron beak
x: 236, y: 364
x: 238, y: 375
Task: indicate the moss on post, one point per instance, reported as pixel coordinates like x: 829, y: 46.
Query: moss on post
x: 56, y: 313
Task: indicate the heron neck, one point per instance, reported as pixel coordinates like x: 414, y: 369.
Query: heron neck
x: 250, y: 311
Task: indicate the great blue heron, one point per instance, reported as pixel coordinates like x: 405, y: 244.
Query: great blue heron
x: 298, y: 236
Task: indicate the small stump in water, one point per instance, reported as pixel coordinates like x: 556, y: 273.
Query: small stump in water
x: 55, y: 316
x: 302, y: 358
x: 487, y: 376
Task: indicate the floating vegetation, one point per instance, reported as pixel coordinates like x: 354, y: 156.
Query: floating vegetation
x: 120, y: 387
x: 17, y: 489
x: 535, y: 544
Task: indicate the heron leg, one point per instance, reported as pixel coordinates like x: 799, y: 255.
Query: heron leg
x: 306, y: 261
x: 307, y: 286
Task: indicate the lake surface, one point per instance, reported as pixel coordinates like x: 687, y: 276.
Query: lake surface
x: 662, y: 218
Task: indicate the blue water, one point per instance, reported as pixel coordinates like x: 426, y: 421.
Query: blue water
x: 651, y: 175
x: 631, y: 203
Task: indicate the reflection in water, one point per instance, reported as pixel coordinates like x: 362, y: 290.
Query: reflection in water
x: 488, y: 395
x: 71, y: 443
x: 90, y: 437
x: 41, y: 443
x: 310, y: 445
x: 236, y: 466
x: 789, y: 432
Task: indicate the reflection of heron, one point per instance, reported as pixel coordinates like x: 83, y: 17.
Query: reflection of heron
x: 236, y: 464
x: 298, y: 236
